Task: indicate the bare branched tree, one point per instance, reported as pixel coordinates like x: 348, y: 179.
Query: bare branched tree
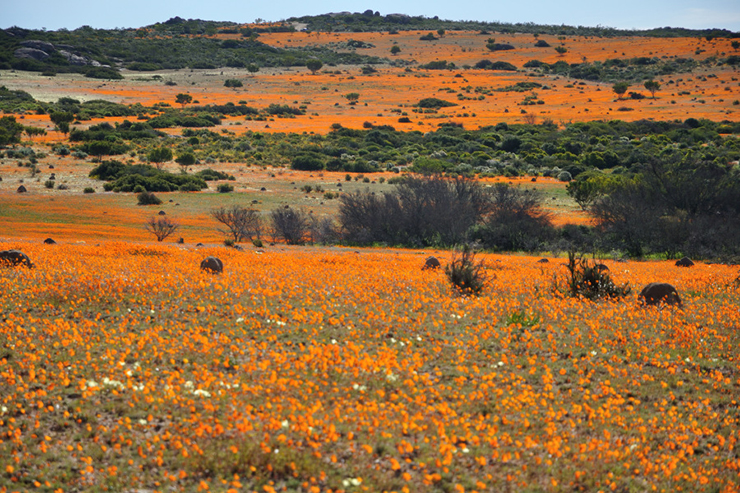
x: 241, y: 223
x: 291, y: 225
x: 161, y: 227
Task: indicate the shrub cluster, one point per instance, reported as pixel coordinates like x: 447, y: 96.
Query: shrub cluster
x: 142, y: 177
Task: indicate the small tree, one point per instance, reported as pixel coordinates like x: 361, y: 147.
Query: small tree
x: 159, y: 156
x: 735, y: 45
x: 62, y: 119
x: 562, y: 50
x: 352, y: 97
x: 185, y: 160
x: 620, y: 88
x: 290, y: 224
x: 652, y: 86
x: 183, y: 99
x: 314, y: 65
x: 233, y: 83
x: 253, y: 68
x: 395, y: 50
x: 161, y: 227
x: 33, y: 131
x: 241, y: 223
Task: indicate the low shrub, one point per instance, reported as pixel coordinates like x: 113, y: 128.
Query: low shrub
x: 588, y: 280
x: 148, y: 198
x: 465, y: 274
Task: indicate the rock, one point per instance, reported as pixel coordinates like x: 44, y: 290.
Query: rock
x: 37, y: 44
x: 659, y: 292
x: 31, y: 53
x: 543, y: 261
x: 50, y: 241
x: 199, y: 245
x: 162, y: 213
x: 684, y: 262
x: 212, y: 264
x: 181, y: 240
x: 12, y: 258
x: 21, y: 189
x: 431, y: 263
x: 601, y: 268
x: 75, y: 59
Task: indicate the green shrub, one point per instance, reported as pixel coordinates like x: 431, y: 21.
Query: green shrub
x: 307, y: 162
x: 49, y: 183
x: 148, y: 198
x: 588, y: 280
x: 89, y: 190
x: 224, y: 188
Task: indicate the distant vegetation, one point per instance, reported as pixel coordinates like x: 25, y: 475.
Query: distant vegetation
x: 180, y: 43
x: 373, y: 21
x: 175, y: 44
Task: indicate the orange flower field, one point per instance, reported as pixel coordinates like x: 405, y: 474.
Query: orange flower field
x: 123, y: 367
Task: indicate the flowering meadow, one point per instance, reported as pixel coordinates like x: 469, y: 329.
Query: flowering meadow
x: 124, y: 367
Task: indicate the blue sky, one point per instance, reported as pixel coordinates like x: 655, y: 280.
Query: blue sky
x: 625, y: 14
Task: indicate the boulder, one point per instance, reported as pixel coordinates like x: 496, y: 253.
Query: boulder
x: 21, y: 189
x: 212, y: 264
x: 31, y: 53
x: 684, y: 262
x: 659, y: 292
x: 50, y: 241
x: 543, y: 261
x: 162, y: 213
x: 37, y: 44
x: 74, y: 59
x: 431, y: 263
x: 12, y: 258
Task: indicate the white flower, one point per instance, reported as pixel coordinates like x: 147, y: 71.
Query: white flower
x: 188, y: 384
x: 202, y: 392
x: 91, y: 383
x: 593, y: 353
x: 359, y: 387
x: 142, y: 421
x: 390, y: 377
x: 465, y: 450
x: 3, y: 410
x: 240, y: 320
x: 112, y: 383
x: 351, y: 482
x: 277, y: 451
x: 500, y: 363
x: 285, y: 424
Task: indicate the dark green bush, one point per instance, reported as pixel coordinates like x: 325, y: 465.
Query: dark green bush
x: 148, y: 198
